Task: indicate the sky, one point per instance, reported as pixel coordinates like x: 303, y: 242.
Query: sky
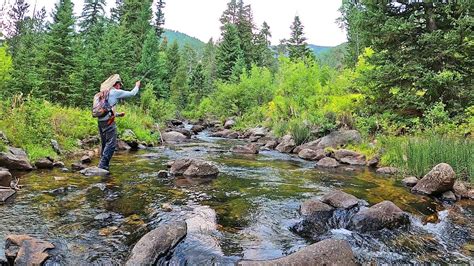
x: 200, y: 18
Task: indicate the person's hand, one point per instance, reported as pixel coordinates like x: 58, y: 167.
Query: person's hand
x: 137, y: 84
x: 122, y: 114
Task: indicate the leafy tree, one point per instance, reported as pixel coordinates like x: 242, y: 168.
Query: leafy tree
x: 59, y: 55
x: 297, y: 46
x: 228, y: 52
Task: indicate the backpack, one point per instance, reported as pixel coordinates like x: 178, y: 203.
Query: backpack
x: 101, y: 106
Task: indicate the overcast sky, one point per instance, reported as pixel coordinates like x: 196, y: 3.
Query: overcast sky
x: 200, y: 18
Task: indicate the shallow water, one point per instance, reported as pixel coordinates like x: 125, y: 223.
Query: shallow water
x: 246, y: 212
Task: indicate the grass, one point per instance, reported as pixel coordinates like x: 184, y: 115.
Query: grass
x: 30, y: 124
x: 417, y: 156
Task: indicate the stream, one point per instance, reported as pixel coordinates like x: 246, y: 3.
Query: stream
x: 246, y: 212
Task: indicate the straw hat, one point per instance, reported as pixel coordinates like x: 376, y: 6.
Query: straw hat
x: 107, y: 84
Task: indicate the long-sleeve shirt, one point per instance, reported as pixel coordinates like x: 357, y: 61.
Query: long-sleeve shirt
x: 115, y: 95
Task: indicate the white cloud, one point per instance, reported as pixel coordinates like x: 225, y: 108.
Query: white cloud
x: 201, y: 18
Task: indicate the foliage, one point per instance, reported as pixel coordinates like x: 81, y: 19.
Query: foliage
x: 5, y: 67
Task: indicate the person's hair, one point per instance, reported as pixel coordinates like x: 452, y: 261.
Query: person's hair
x: 118, y: 82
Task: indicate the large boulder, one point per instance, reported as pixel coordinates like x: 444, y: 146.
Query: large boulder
x: 312, y: 155
x: 173, y: 137
x: 157, y: 243
x: 26, y: 250
x: 339, y: 138
x: 440, y: 179
x: 44, y: 163
x: 15, y: 159
x: 94, y: 171
x: 339, y: 199
x: 246, y: 149
x: 349, y: 157
x: 5, y: 178
x: 327, y: 162
x: 461, y: 189
x: 197, y: 128
x: 316, y: 215
x: 287, y: 144
x: 271, y: 144
x: 382, y: 215
x: 6, y: 193
x: 186, y: 132
x: 255, y: 132
x: 193, y: 168
x: 326, y: 252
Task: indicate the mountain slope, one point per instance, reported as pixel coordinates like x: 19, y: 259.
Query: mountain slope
x: 319, y: 49
x: 183, y: 38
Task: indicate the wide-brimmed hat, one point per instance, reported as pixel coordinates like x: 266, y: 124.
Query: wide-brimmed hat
x: 107, y: 84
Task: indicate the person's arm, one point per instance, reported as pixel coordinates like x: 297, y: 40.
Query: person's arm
x: 120, y: 94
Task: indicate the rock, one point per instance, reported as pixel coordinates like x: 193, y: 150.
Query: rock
x: 123, y: 146
x: 410, y: 181
x: 90, y: 142
x: 5, y: 178
x: 246, y: 149
x: 162, y: 174
x: 255, y: 132
x: 312, y: 155
x: 31, y: 251
x: 387, y: 170
x: 193, y: 168
x: 326, y: 252
x: 382, y: 215
x: 17, y: 152
x: 86, y: 159
x: 460, y: 189
x: 271, y: 144
x: 327, y: 162
x: 339, y: 138
x: 173, y: 137
x: 197, y: 128
x: 229, y: 124
x: 55, y: 146
x: 349, y: 157
x: 94, y: 171
x: 448, y: 196
x: 200, y: 168
x: 6, y: 193
x: 166, y: 207
x: 440, y: 179
x: 157, y: 243
x: 44, y: 163
x: 175, y: 122
x: 128, y: 135
x: 374, y: 161
x: 183, y: 131
x: 103, y: 216
x: 313, y: 207
x: 287, y: 144
x: 12, y: 162
x: 339, y: 199
x: 58, y: 164
x: 78, y: 166
x: 226, y: 133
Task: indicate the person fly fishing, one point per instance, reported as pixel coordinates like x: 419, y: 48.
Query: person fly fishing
x: 104, y: 109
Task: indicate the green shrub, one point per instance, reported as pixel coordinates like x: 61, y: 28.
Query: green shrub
x: 300, y: 132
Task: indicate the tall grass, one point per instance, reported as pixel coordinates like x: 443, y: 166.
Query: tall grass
x: 417, y: 156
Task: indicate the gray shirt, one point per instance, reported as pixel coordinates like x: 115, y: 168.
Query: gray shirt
x: 115, y: 95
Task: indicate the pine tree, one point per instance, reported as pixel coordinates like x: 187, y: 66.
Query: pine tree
x: 245, y: 28
x: 297, y: 46
x: 59, y: 54
x: 160, y: 18
x: 230, y: 15
x: 153, y: 64
x: 179, y: 88
x: 264, y: 54
x: 210, y: 67
x: 196, y: 84
x: 92, y: 13
x: 18, y: 19
x: 116, y: 12
x: 190, y: 58
x: 173, y: 62
x: 228, y: 52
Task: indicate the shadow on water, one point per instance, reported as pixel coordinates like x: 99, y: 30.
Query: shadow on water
x: 247, y: 210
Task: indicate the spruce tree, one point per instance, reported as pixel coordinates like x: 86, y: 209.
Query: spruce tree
x: 210, y: 67
x: 17, y: 21
x: 153, y: 64
x: 264, y: 54
x: 92, y: 14
x: 297, y: 46
x: 197, y: 84
x: 160, y: 18
x: 245, y: 28
x: 173, y: 62
x: 59, y: 54
x: 228, y: 52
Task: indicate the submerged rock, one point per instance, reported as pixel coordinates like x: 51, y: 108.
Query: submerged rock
x: 326, y: 252
x: 157, y: 243
x: 246, y: 149
x: 339, y: 199
x: 287, y: 144
x: 189, y: 167
x: 382, y: 215
x: 26, y: 250
x: 440, y: 179
x: 5, y: 178
x: 312, y: 155
x: 316, y: 215
x: 94, y: 171
x: 327, y: 162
